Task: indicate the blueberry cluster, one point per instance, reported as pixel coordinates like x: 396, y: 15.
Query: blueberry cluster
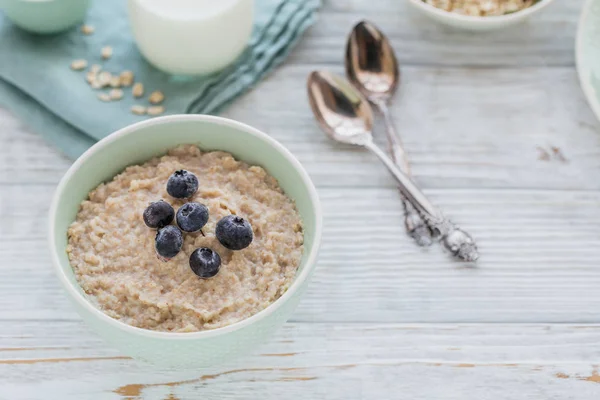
x: 233, y: 232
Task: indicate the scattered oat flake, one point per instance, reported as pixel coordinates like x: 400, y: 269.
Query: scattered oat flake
x: 104, y: 78
x: 139, y: 110
x: 115, y: 82
x: 90, y: 77
x: 104, y: 97
x: 156, y: 97
x: 126, y: 78
x: 155, y: 110
x: 96, y: 84
x: 79, y: 65
x: 138, y: 89
x: 87, y: 29
x: 116, y: 94
x: 106, y: 52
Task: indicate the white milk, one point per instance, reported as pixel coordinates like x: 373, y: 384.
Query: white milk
x: 191, y: 36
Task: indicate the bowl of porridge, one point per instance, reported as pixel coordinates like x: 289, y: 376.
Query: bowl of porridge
x: 479, y: 15
x: 185, y: 240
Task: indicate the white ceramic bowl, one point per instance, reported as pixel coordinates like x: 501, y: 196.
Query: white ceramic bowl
x: 478, y: 23
x: 142, y: 141
x: 587, y: 53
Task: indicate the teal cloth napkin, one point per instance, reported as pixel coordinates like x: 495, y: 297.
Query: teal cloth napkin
x: 38, y: 86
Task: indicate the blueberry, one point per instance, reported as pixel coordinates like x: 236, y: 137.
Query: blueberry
x: 169, y: 241
x: 158, y: 214
x: 234, y: 232
x: 182, y: 184
x: 205, y: 263
x: 191, y: 217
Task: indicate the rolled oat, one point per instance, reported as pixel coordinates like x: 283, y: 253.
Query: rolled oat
x: 138, y: 89
x: 87, y: 29
x: 96, y: 84
x: 138, y: 110
x: 106, y: 52
x: 116, y: 94
x: 104, y: 78
x: 155, y: 110
x: 104, y: 97
x: 79, y: 65
x: 126, y: 78
x: 115, y: 82
x: 90, y: 77
x: 156, y: 97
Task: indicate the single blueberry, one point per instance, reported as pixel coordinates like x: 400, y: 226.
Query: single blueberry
x: 158, y: 214
x: 205, y: 263
x: 182, y: 184
x: 235, y: 233
x: 169, y: 241
x: 191, y: 217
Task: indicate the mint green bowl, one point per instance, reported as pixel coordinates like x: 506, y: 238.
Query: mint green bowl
x: 587, y: 53
x: 45, y: 16
x: 138, y: 143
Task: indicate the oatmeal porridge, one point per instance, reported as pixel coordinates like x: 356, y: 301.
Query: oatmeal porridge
x: 112, y: 251
x: 482, y: 7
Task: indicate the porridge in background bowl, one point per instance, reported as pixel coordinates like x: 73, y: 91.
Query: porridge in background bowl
x: 482, y: 8
x: 479, y: 15
x: 112, y: 252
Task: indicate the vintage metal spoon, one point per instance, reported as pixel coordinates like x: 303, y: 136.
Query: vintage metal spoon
x: 346, y: 116
x: 372, y: 67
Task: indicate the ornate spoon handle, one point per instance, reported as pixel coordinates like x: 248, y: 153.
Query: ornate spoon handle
x: 457, y: 241
x: 414, y: 223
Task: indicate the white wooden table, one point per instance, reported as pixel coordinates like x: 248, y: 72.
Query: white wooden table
x: 382, y: 318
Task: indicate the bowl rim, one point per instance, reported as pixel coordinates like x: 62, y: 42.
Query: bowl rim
x: 481, y: 20
x: 190, y: 17
x: 584, y: 82
x: 115, y: 136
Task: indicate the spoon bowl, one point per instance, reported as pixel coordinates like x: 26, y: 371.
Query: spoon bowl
x: 341, y: 111
x: 371, y: 63
x: 346, y: 116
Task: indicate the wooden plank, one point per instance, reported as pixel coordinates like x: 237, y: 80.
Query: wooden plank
x: 473, y: 111
x: 540, y: 252
x: 546, y: 40
x: 333, y: 361
x: 463, y: 128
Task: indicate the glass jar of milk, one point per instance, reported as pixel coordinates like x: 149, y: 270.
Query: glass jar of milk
x: 191, y: 37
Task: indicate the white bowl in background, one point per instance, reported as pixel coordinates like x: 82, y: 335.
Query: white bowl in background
x: 478, y: 23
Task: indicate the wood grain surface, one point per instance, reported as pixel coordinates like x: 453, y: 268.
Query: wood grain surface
x: 329, y: 360
x: 500, y: 137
